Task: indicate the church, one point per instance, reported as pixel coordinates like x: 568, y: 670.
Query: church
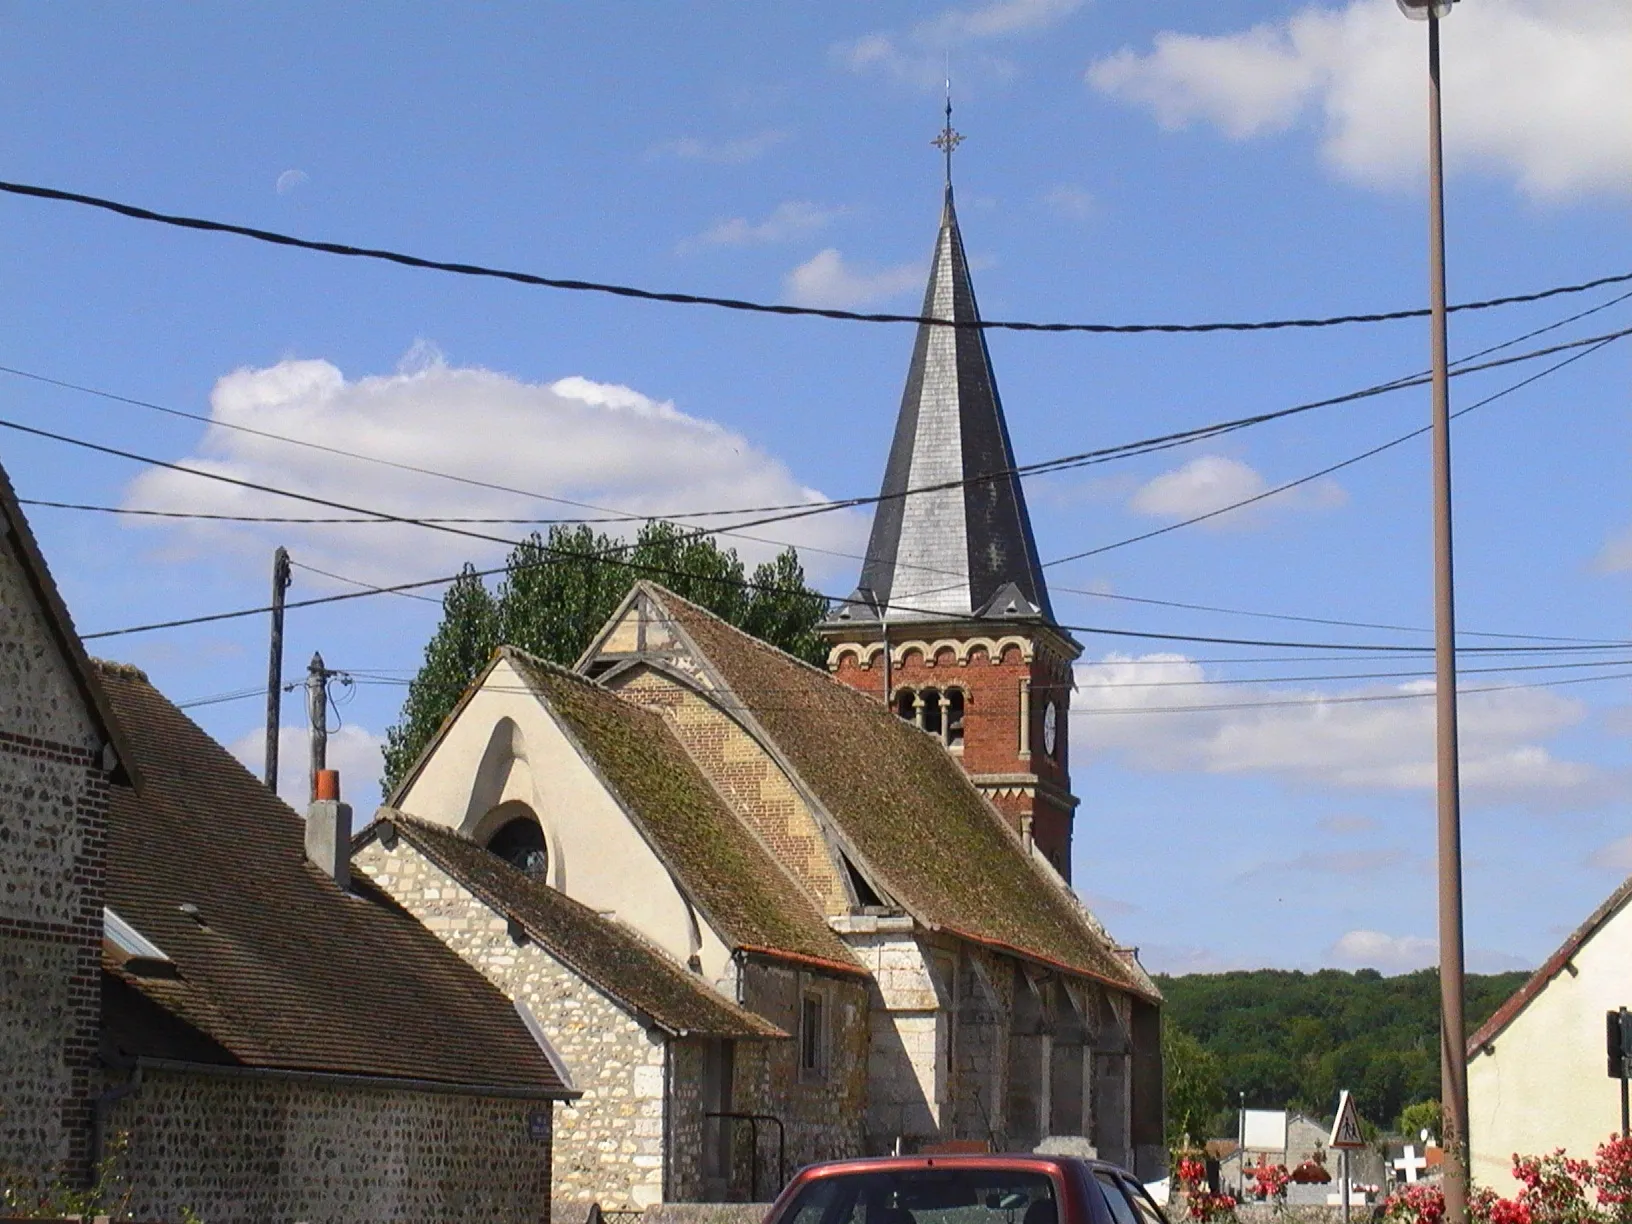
x: 769, y: 913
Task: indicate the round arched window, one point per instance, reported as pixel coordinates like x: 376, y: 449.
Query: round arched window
x: 520, y: 843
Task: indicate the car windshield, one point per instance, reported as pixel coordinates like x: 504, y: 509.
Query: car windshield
x: 927, y: 1196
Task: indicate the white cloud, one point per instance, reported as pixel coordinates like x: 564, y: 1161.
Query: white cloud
x: 289, y: 180
x: 1344, y: 825
x: 918, y: 57
x: 1150, y: 712
x: 1534, y: 89
x: 1617, y: 856
x: 787, y: 220
x: 1072, y: 203
x: 1211, y: 482
x: 826, y: 280
x: 721, y: 152
x: 575, y: 438
x: 1616, y: 555
x: 353, y: 750
x: 1389, y: 953
x: 1334, y: 861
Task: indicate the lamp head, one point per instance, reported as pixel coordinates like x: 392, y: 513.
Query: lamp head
x: 1421, y: 10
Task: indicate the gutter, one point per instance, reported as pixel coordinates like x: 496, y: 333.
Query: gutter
x: 101, y: 1107
x: 345, y: 1080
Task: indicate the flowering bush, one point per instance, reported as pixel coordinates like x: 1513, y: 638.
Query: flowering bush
x: 1311, y: 1172
x: 1270, y: 1180
x: 1201, y: 1203
x: 1556, y: 1189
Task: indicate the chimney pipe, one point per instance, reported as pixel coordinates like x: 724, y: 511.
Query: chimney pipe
x: 328, y: 828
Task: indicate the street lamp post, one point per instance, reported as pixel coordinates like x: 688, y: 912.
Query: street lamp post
x: 1453, y: 1056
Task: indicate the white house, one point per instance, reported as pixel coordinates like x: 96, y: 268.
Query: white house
x: 1537, y: 1076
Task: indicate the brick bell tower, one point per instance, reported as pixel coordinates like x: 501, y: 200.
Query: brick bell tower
x: 951, y: 622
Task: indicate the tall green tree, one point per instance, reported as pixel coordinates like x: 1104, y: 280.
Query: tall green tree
x: 557, y: 591
x: 1193, y: 1082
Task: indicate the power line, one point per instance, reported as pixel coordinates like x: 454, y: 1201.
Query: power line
x: 567, y: 554
x: 1111, y: 595
x: 138, y: 213
x: 797, y: 510
x: 1354, y: 699
x: 1595, y: 343
x: 800, y: 508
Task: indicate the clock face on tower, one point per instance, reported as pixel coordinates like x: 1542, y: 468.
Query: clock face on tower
x: 1049, y: 728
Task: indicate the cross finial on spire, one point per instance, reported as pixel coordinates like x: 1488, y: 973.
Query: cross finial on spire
x: 949, y: 139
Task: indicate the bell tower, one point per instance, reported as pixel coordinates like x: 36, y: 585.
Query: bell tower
x: 951, y: 622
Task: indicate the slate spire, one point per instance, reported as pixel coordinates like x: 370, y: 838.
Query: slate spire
x: 964, y: 551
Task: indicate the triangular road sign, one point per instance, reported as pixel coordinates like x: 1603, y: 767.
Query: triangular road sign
x: 1346, y: 1128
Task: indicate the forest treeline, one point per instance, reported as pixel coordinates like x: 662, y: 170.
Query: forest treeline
x: 1293, y: 1039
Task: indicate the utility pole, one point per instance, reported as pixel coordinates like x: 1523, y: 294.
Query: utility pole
x: 274, y: 667
x: 1453, y: 1048
x: 317, y: 708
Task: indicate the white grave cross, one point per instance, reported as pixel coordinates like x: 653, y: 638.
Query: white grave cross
x: 1411, y: 1164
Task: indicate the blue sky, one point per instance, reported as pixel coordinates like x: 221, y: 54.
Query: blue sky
x: 1124, y: 163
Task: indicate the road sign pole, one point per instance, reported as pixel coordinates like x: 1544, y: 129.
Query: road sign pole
x: 1344, y: 1188
x: 1626, y: 1121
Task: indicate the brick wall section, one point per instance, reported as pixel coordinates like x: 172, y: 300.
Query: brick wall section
x: 53, y: 845
x: 750, y: 779
x: 244, y: 1151
x: 991, y: 720
x: 609, y: 1144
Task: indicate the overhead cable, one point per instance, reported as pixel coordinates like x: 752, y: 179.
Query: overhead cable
x: 1595, y: 344
x: 138, y: 213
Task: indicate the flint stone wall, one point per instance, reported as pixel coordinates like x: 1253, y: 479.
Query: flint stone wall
x: 269, y: 1151
x: 609, y: 1143
x: 53, y: 846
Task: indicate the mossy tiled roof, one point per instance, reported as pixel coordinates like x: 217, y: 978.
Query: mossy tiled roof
x: 605, y: 953
x: 906, y: 806
x: 273, y: 964
x: 753, y: 903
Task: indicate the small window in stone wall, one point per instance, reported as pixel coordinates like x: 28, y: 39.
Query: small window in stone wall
x: 954, y: 718
x: 906, y: 705
x: 812, y: 1035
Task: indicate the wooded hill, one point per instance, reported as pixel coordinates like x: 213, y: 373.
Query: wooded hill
x: 1292, y: 1039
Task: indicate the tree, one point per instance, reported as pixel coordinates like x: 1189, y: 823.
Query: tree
x: 558, y: 591
x: 1422, y: 1116
x: 458, y: 649
x: 1192, y: 1082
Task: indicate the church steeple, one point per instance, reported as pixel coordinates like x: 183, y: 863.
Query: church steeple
x: 951, y: 624
x: 965, y: 550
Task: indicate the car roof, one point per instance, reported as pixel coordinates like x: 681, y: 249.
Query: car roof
x: 982, y: 1160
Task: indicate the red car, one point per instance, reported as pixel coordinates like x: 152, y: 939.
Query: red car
x: 965, y: 1190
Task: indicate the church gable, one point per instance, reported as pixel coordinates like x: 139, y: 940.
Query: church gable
x: 508, y: 772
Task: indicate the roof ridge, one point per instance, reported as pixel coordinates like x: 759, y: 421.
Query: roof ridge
x: 760, y: 643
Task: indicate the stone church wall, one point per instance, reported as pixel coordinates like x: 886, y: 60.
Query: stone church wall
x: 609, y: 1143
x: 53, y: 845
x: 245, y: 1150
x: 822, y: 1112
